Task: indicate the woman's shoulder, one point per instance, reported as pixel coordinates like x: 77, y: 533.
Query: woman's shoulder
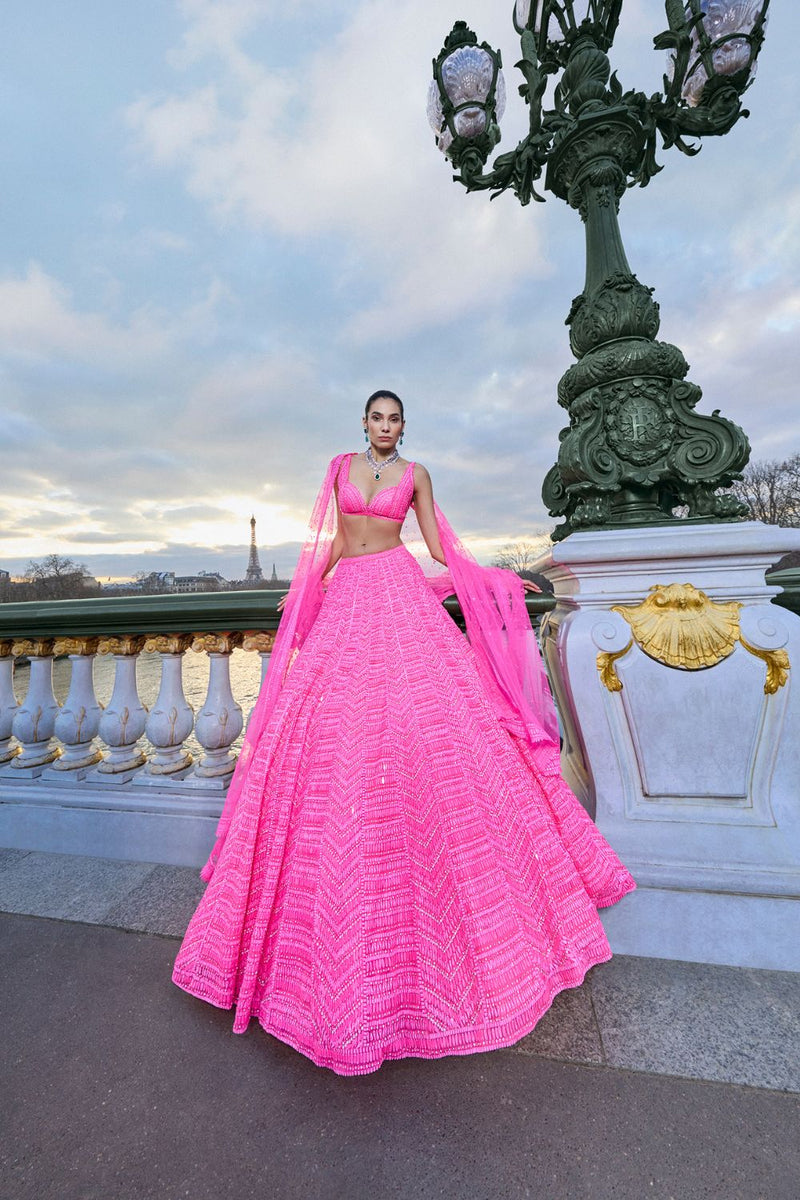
x: 338, y: 459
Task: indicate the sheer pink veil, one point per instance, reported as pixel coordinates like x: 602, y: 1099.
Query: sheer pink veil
x: 492, y: 601
x: 299, y: 613
x: 499, y: 629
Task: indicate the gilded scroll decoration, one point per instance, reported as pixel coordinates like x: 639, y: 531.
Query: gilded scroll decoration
x: 32, y: 647
x: 75, y: 645
x: 126, y: 644
x: 606, y: 665
x: 778, y: 666
x: 259, y: 640
x: 167, y: 643
x: 216, y: 643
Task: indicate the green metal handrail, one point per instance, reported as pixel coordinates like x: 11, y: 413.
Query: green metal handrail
x: 789, y: 580
x: 193, y: 612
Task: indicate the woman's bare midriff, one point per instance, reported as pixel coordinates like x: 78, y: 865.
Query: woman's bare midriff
x: 367, y: 535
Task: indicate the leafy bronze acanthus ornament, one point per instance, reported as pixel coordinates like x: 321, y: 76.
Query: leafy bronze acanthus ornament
x: 635, y: 449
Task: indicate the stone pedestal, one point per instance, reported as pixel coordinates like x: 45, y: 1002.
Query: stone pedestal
x: 678, y: 683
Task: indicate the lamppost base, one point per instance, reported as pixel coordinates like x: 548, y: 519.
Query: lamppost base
x: 673, y: 673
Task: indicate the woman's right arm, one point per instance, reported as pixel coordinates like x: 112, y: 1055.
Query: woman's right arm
x: 426, y: 514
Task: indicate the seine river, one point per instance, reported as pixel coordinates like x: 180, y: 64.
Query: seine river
x: 245, y: 680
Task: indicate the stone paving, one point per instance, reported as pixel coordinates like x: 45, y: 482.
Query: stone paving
x: 655, y: 1078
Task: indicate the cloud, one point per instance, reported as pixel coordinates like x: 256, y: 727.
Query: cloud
x: 275, y: 236
x: 322, y: 154
x: 38, y: 319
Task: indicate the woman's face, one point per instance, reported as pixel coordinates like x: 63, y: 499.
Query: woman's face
x: 384, y: 424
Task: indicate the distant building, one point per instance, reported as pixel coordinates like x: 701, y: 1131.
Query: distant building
x: 204, y: 582
x: 121, y: 588
x: 155, y: 583
x: 159, y: 583
x: 221, y: 584
x: 274, y: 576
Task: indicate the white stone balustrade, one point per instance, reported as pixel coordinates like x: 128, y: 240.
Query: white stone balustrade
x: 78, y: 720
x: 171, y: 719
x: 120, y: 781
x: 262, y: 644
x: 34, y: 721
x: 123, y: 721
x: 8, y: 704
x: 83, y: 740
x: 220, y: 720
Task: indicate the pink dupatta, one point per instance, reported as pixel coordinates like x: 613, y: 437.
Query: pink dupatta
x: 499, y: 630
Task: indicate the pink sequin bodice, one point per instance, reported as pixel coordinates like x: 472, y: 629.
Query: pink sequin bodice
x: 390, y: 504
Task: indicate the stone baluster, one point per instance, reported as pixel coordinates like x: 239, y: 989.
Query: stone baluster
x: 34, y: 720
x: 171, y: 719
x: 77, y: 722
x: 262, y: 641
x: 220, y: 720
x: 123, y: 720
x: 8, y: 703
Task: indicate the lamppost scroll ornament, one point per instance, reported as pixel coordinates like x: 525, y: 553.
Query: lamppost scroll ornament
x: 635, y: 449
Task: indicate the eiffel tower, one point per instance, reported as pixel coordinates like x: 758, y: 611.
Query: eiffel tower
x: 254, y: 573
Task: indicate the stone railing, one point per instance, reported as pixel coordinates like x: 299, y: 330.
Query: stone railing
x: 789, y: 580
x: 119, y: 779
x: 39, y: 734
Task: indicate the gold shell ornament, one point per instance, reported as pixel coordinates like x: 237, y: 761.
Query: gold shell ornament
x: 682, y: 627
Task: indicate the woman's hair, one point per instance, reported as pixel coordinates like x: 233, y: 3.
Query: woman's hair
x: 389, y: 396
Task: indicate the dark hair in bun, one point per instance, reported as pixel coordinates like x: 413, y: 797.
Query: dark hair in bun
x: 389, y: 396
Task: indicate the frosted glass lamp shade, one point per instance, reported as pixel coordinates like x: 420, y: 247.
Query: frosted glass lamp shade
x: 467, y: 76
x: 436, y: 117
x: 727, y: 24
x: 523, y: 12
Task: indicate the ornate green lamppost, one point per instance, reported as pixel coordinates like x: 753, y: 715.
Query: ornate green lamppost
x: 635, y: 448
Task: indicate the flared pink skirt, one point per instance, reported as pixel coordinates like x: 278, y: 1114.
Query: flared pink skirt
x: 402, y: 876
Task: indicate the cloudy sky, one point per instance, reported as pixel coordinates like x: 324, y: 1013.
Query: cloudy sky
x: 224, y: 223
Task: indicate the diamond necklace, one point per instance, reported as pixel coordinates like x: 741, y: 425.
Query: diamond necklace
x: 387, y: 462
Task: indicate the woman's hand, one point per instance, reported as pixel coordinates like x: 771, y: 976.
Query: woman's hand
x: 529, y: 586
x: 282, y: 601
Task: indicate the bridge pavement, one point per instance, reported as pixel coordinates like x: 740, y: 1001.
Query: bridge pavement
x: 655, y: 1079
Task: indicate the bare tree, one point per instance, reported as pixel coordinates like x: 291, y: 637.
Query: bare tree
x: 520, y: 556
x: 771, y: 491
x: 57, y: 578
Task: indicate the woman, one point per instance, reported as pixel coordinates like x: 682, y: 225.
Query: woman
x: 399, y: 868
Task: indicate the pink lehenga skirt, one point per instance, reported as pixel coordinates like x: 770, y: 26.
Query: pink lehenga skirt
x: 402, y: 876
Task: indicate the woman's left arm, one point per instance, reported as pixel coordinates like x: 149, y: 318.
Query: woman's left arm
x: 426, y: 515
